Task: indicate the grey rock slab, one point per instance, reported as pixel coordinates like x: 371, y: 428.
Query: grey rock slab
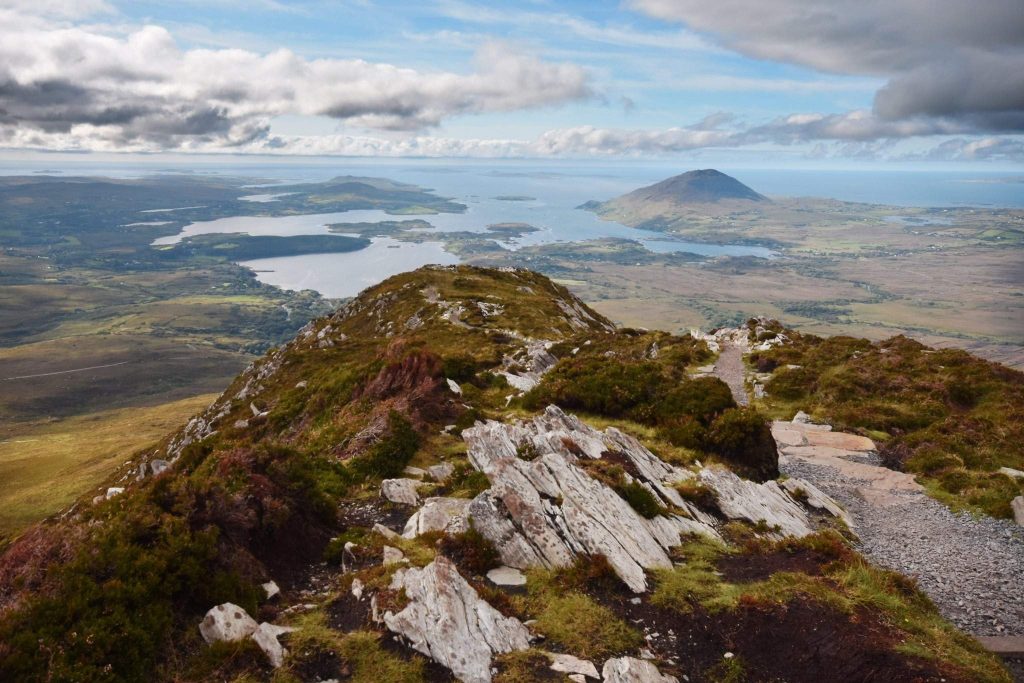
x: 447, y: 621
x: 767, y: 502
x: 632, y: 670
x: 228, y: 622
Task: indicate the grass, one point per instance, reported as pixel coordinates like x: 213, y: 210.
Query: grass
x: 585, y: 628
x: 847, y: 586
x: 47, y: 466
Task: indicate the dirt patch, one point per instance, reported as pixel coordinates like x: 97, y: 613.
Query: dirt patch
x: 746, y: 568
x: 801, y: 641
x: 366, y: 513
x: 319, y: 665
x: 348, y: 614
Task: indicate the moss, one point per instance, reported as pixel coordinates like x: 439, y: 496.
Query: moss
x: 371, y: 663
x: 640, y: 499
x: 585, y: 628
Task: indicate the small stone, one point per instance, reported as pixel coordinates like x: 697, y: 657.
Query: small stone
x: 114, y: 491
x: 454, y: 386
x: 567, y: 664
x: 357, y: 589
x: 302, y: 385
x: 506, y: 576
x: 271, y: 589
x: 392, y: 556
x: 241, y: 424
x: 1012, y: 473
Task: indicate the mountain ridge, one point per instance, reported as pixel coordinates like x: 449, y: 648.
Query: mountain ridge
x: 449, y: 420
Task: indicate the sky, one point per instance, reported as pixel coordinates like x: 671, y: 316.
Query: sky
x: 882, y: 81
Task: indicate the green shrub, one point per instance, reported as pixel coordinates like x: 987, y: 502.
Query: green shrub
x: 743, y: 437
x: 460, y: 368
x: 471, y: 551
x: 389, y: 456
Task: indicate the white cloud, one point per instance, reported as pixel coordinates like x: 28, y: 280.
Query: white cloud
x: 141, y: 89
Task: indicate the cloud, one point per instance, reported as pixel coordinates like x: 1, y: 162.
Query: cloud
x: 140, y: 90
x: 944, y: 58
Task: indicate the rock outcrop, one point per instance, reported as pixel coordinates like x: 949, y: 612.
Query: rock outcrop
x: 447, y: 621
x: 547, y: 510
x: 765, y: 503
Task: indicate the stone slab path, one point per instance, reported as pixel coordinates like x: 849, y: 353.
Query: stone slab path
x: 973, y: 569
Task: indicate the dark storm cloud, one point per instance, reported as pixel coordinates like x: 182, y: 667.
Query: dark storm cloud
x: 957, y: 60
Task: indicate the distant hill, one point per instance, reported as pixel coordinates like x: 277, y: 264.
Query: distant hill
x: 705, y: 191
x: 696, y: 187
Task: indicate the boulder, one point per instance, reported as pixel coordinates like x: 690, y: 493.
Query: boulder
x: 631, y: 670
x: 506, y: 576
x: 265, y: 636
x: 158, y: 466
x: 447, y: 621
x: 226, y: 622
x: 1012, y: 473
x: 567, y: 664
x: 401, y: 491
x: 114, y: 491
x: 438, y: 514
x: 1017, y: 504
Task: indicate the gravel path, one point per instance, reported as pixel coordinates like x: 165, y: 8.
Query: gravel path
x: 729, y: 368
x: 973, y: 569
